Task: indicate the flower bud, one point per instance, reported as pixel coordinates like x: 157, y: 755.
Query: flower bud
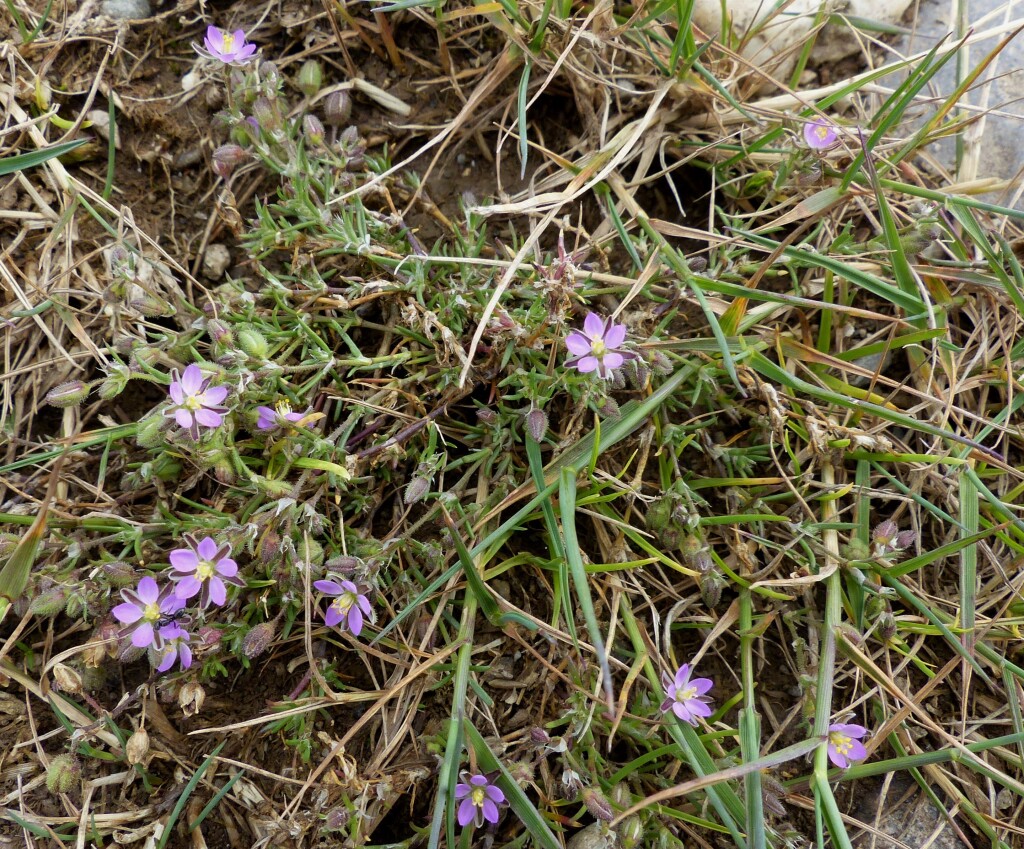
x: 265, y: 113
x: 661, y: 363
x: 711, y: 586
x: 485, y: 416
x: 314, y: 130
x: 539, y: 736
x: 191, y: 697
x: 884, y: 533
x: 50, y: 602
x: 253, y: 342
x: 337, y: 819
x: 338, y: 108
x: 630, y: 831
x: 147, y: 431
x: 599, y: 807
x: 209, y: 636
x: 63, y: 774
x: 904, y: 539
x: 69, y: 394
x: 697, y: 264
x: 224, y: 470
x: 115, y: 382
x: 610, y: 407
x: 67, y: 679
x: 137, y: 747
x: 219, y: 332
x: 258, y: 639
x: 311, y: 77
x: 537, y: 424
x: 226, y: 158
x: 887, y: 626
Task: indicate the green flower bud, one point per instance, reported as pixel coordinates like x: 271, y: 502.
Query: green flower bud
x: 314, y: 130
x: 64, y: 773
x: 49, y: 602
x: 253, y: 342
x: 69, y: 394
x: 115, y: 382
x: 338, y: 108
x: 311, y: 77
x: 147, y: 432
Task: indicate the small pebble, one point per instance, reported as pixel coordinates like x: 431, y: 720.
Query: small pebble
x: 101, y: 125
x: 126, y: 9
x: 216, y: 261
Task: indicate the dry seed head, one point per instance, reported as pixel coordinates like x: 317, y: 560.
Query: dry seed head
x: 137, y: 747
x: 191, y: 698
x: 67, y: 679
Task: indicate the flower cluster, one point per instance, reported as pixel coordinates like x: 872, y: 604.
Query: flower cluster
x: 196, y: 403
x: 154, y: 617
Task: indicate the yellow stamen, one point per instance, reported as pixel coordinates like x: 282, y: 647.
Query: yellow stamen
x: 205, y: 570
x: 151, y: 612
x: 192, y: 403
x: 477, y: 795
x: 343, y: 602
x: 229, y: 43
x: 687, y: 694
x: 841, y: 742
x: 597, y: 347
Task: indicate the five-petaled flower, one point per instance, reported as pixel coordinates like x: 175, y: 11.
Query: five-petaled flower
x: 480, y: 800
x: 820, y: 134
x: 231, y: 48
x: 844, y: 744
x: 142, y: 610
x: 175, y: 645
x: 350, y: 605
x: 204, y: 569
x: 685, y: 696
x: 195, y: 401
x: 269, y: 418
x: 598, y: 347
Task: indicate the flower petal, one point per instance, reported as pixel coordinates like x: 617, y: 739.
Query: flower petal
x: 612, y: 359
x: 702, y: 685
x: 615, y: 335
x: 490, y: 811
x: 183, y: 418
x: 587, y: 364
x: 213, y: 396
x: 332, y: 617
x: 143, y: 635
x: 857, y: 751
x: 836, y: 758
x: 148, y: 590
x: 227, y: 567
x: 170, y: 655
x: 466, y: 812
x: 207, y: 548
x: 174, y: 390
x: 218, y: 592
x: 192, y: 377
x: 186, y: 656
x: 593, y: 325
x: 683, y: 676
x: 188, y: 587
x: 355, y: 620
x: 208, y: 418
x: 184, y: 560
x: 577, y: 344
x: 495, y: 794
x: 329, y: 587
x: 127, y: 613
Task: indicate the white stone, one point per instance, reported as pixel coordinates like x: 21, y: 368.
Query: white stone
x: 126, y: 9
x: 777, y: 38
x: 216, y: 261
x: 101, y: 124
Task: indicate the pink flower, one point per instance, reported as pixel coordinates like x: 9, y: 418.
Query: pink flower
x: 686, y: 697
x: 231, y: 48
x: 175, y: 645
x: 480, y: 800
x: 349, y: 605
x: 844, y: 744
x: 598, y: 347
x: 204, y: 569
x: 195, y: 401
x: 142, y: 610
x: 269, y: 418
x: 820, y: 135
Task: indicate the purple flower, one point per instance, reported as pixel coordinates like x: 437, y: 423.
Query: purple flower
x: 820, y: 135
x: 349, y: 605
x: 195, y: 401
x: 685, y: 696
x: 231, y: 48
x: 844, y: 744
x: 480, y: 800
x: 269, y: 418
x: 143, y: 608
x: 597, y: 348
x: 204, y: 569
x: 175, y: 645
